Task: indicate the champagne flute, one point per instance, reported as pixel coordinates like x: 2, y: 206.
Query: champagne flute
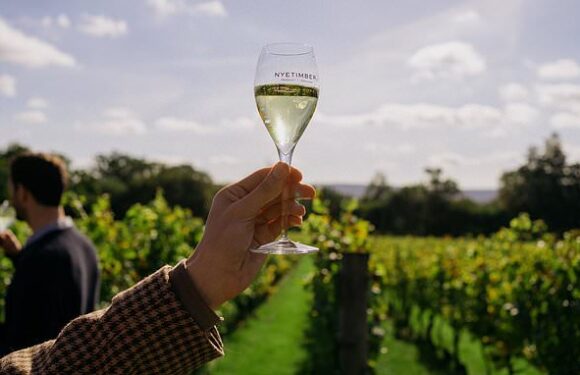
x: 7, y: 215
x: 286, y: 91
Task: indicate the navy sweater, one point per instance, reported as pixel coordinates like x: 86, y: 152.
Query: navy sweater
x: 56, y: 279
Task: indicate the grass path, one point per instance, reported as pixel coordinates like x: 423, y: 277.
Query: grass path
x: 400, y: 357
x: 270, y: 342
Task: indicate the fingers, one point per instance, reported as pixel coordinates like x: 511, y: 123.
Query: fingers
x: 275, y: 210
x: 7, y: 236
x: 270, y: 187
x: 252, y: 181
x: 266, y: 233
x: 298, y: 192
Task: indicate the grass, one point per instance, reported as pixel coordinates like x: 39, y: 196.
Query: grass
x: 404, y: 357
x: 270, y: 342
x: 400, y: 357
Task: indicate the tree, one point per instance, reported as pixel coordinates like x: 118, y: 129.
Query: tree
x: 129, y: 180
x: 545, y: 186
x: 378, y: 189
x: 5, y: 157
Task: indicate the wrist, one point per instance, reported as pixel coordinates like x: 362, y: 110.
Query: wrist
x: 200, y: 274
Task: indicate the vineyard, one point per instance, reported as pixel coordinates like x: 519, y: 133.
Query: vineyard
x: 148, y: 237
x: 516, y: 293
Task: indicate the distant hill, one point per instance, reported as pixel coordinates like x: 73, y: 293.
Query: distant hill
x: 357, y: 191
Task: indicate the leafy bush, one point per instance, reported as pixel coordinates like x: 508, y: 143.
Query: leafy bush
x: 146, y: 238
x: 334, y: 238
x: 517, y: 291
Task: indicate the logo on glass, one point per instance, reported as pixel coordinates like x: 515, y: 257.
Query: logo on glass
x: 292, y: 76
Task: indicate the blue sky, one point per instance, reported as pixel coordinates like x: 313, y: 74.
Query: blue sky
x: 465, y: 85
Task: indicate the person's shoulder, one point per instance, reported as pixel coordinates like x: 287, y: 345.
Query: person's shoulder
x: 72, y: 235
x: 63, y: 242
x: 72, y: 238
x: 48, y: 255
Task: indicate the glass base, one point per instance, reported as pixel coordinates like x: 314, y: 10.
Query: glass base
x: 285, y: 247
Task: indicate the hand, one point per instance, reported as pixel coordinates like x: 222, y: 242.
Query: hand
x: 10, y: 243
x: 244, y: 215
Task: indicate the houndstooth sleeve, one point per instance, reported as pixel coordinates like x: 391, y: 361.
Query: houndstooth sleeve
x: 146, y: 330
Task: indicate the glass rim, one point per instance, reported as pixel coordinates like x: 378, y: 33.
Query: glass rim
x: 288, y: 49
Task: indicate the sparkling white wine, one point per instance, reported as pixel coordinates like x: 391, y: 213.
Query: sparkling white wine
x: 286, y: 111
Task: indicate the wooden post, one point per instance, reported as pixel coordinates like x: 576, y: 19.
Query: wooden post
x: 353, y: 329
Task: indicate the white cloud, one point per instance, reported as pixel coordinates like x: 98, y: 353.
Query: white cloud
x: 30, y: 117
x: 560, y: 69
x: 452, y: 159
x: 173, y: 124
x: 37, y: 103
x: 492, y: 122
x: 498, y: 132
x: 469, y: 17
x: 212, y: 8
x: 63, y: 21
x: 392, y: 151
x: 452, y: 59
x: 240, y: 123
x: 165, y: 7
x: 572, y: 151
x: 224, y: 160
x: 563, y: 96
x: 7, y: 85
x: 477, y: 115
x: 116, y: 121
x: 563, y: 120
x: 101, y: 26
x: 521, y: 113
x: 513, y: 92
x: 21, y: 49
x: 422, y: 115
x: 46, y: 21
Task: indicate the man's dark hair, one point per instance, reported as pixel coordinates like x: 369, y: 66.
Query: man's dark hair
x: 44, y: 175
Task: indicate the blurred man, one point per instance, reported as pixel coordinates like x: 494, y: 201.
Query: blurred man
x: 56, y: 274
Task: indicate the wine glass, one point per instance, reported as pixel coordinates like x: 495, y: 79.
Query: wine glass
x: 7, y: 215
x: 286, y: 91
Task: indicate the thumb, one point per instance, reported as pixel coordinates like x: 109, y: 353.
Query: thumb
x: 266, y: 191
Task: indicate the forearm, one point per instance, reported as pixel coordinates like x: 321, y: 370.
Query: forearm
x: 145, y: 330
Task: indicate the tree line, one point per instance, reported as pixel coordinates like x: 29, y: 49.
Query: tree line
x: 546, y: 186
x: 128, y: 180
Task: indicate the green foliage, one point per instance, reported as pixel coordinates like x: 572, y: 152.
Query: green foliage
x: 333, y: 238
x: 431, y: 208
x: 129, y: 180
x: 545, y: 186
x: 147, y: 237
x: 517, y: 291
x: 21, y: 231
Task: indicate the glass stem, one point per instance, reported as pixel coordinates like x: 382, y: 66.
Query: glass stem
x: 286, y: 158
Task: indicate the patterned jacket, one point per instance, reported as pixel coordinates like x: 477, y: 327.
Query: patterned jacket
x: 159, y: 326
